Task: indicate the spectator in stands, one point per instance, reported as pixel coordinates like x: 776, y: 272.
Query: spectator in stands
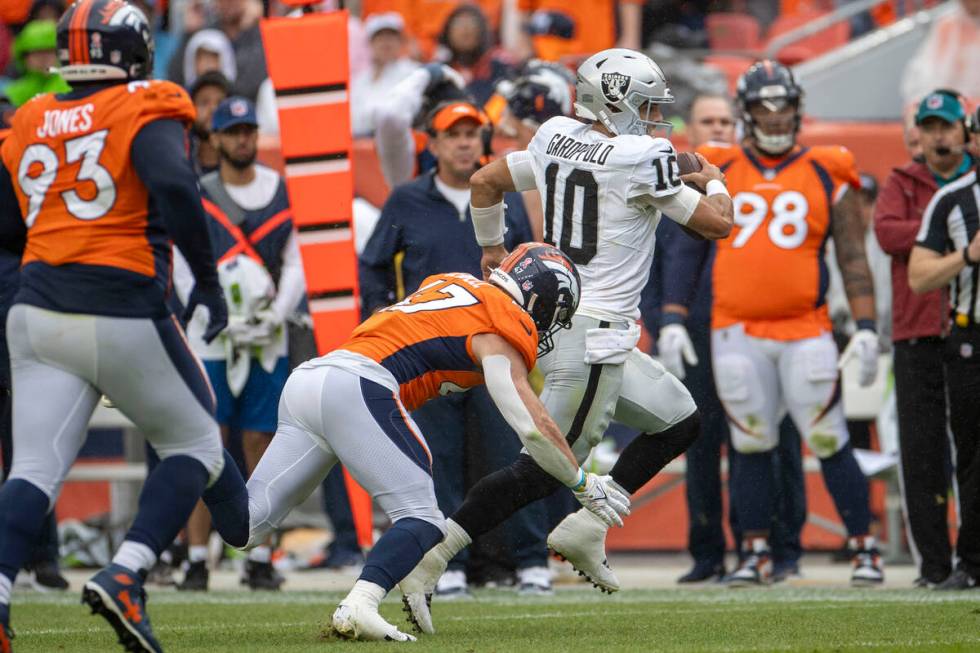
x: 401, y: 149
x: 238, y: 21
x: 35, y: 54
x: 948, y: 56
x: 919, y: 327
x: 425, y: 20
x: 684, y: 273
x: 208, y: 50
x: 467, y: 45
x: 552, y: 29
x: 372, y: 87
x: 207, y: 93
x: 260, y: 268
x: 425, y: 228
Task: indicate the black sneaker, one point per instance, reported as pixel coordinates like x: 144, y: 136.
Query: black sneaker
x: 868, y: 570
x: 262, y: 576
x: 196, y: 578
x: 756, y: 567
x: 958, y: 580
x: 47, y: 577
x: 703, y: 572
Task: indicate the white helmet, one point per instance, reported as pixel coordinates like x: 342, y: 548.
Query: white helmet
x: 613, y: 84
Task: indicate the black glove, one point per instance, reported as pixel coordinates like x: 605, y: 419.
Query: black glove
x: 213, y: 298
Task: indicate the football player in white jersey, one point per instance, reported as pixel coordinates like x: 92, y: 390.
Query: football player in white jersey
x: 605, y: 181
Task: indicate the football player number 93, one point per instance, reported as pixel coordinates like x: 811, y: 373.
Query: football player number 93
x: 788, y: 227
x: 39, y: 167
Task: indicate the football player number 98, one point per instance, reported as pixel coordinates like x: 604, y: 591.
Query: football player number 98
x: 788, y: 227
x: 35, y: 183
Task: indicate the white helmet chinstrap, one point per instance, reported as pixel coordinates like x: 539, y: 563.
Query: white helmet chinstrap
x: 612, y: 87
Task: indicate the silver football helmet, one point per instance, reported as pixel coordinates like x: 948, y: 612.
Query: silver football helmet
x: 614, y: 85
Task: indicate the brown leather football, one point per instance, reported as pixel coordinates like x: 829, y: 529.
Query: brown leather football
x: 687, y: 163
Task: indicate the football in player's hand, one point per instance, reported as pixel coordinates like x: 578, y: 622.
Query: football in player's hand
x: 687, y: 163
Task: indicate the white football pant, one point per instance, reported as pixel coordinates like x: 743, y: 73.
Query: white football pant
x: 758, y: 380
x: 61, y: 364
x: 329, y: 414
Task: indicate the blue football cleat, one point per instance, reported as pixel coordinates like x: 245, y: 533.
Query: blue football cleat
x: 117, y: 594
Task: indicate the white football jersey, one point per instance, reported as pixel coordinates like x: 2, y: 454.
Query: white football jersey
x: 601, y: 197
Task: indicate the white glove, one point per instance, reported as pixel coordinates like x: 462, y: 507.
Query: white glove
x: 674, y: 344
x: 863, y: 345
x: 267, y: 326
x: 603, y: 497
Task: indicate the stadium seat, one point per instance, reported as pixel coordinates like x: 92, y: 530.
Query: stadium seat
x: 733, y: 31
x: 732, y: 66
x: 834, y: 36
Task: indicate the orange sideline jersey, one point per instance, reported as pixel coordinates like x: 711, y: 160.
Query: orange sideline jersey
x: 769, y: 274
x: 78, y: 191
x: 425, y: 341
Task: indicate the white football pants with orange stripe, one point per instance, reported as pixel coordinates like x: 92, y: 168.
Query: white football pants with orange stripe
x: 759, y: 380
x: 344, y: 408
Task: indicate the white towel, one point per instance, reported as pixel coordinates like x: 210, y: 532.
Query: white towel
x: 610, y: 346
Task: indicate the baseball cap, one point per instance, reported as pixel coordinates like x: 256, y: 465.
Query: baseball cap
x: 447, y: 116
x: 391, y: 20
x: 233, y: 111
x: 944, y: 106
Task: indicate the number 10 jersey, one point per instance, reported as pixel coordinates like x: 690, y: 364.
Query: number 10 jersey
x: 602, y: 198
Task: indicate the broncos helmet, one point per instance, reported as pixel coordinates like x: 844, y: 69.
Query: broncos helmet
x: 613, y: 85
x: 772, y: 85
x: 545, y: 283
x: 100, y: 40
x: 542, y: 92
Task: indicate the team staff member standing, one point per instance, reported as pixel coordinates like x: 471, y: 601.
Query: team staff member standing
x: 947, y: 251
x: 919, y: 324
x: 248, y: 214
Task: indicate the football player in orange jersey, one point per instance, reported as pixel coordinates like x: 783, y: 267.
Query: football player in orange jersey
x: 352, y: 406
x: 772, y: 348
x: 98, y: 183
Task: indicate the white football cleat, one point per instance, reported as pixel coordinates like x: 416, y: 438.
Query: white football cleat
x: 417, y: 589
x: 581, y: 540
x: 355, y: 620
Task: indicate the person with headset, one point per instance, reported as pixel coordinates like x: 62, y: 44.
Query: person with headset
x: 947, y: 254
x: 920, y: 326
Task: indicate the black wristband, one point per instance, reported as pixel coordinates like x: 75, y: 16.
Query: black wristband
x: 966, y: 257
x: 866, y: 325
x: 670, y: 317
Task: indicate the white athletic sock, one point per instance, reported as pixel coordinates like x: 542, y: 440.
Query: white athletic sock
x: 260, y: 554
x: 366, y: 592
x: 197, y: 553
x: 134, y: 556
x: 456, y: 540
x: 5, y: 585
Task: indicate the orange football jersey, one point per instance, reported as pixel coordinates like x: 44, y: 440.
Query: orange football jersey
x: 769, y: 274
x: 79, y: 193
x: 425, y: 341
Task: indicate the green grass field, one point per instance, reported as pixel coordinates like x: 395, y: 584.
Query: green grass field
x: 777, y: 619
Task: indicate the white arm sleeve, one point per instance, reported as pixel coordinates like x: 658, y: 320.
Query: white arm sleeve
x: 522, y: 170
x: 393, y: 128
x: 680, y: 206
x: 292, y: 280
x: 496, y: 371
x: 183, y: 277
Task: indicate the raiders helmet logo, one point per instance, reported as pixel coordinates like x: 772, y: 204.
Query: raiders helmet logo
x: 615, y: 85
